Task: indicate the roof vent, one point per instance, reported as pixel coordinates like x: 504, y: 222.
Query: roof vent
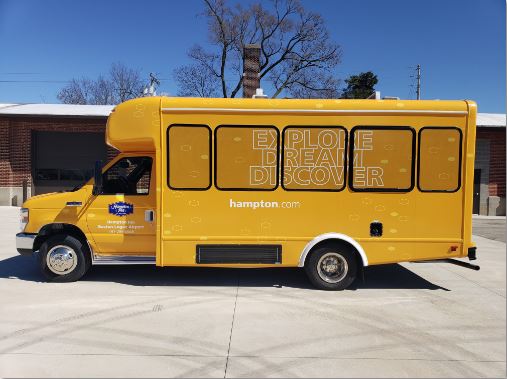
x: 375, y: 95
x: 259, y: 94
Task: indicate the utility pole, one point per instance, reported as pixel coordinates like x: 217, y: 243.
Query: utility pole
x: 151, y: 89
x: 418, y: 82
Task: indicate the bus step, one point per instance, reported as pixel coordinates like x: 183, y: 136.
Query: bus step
x: 122, y: 260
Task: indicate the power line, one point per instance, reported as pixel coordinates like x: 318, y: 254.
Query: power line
x: 19, y: 73
x: 34, y: 81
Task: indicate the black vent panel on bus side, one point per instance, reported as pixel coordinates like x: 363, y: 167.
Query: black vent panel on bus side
x: 239, y: 254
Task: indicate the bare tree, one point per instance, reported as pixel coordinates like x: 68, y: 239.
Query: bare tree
x: 102, y: 91
x: 297, y: 54
x: 127, y: 82
x: 78, y: 91
x: 195, y: 81
x: 121, y: 84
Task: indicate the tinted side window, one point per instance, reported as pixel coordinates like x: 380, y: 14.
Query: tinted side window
x: 314, y: 158
x: 382, y: 158
x: 246, y: 157
x: 189, y: 157
x: 439, y: 159
x: 129, y: 176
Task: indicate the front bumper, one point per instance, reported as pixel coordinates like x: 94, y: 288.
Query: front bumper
x: 24, y: 243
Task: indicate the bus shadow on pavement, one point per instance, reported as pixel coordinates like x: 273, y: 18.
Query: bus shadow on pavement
x: 392, y: 276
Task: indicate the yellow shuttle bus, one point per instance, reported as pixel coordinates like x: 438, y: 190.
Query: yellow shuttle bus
x: 331, y: 186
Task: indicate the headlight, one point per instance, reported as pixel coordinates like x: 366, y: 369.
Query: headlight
x: 23, y: 220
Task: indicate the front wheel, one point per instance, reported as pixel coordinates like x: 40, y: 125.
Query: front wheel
x: 332, y: 267
x: 63, y: 258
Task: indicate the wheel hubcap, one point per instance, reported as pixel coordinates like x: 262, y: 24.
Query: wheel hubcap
x: 332, y: 267
x: 61, y: 260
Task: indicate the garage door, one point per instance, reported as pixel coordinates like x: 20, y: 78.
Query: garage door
x: 63, y: 160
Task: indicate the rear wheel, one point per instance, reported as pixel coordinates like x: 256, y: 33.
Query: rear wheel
x: 63, y: 258
x: 332, y: 267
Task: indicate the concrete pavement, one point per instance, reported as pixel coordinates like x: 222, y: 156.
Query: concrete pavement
x: 491, y: 227
x: 408, y: 320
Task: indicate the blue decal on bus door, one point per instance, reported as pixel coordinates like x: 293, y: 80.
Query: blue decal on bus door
x: 121, y: 208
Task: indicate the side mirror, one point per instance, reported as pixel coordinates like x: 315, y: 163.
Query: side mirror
x: 97, y: 174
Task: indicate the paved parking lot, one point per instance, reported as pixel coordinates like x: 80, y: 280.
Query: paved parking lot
x: 489, y: 227
x: 409, y: 320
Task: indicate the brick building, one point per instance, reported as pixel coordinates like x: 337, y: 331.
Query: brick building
x: 50, y: 147
x: 489, y: 178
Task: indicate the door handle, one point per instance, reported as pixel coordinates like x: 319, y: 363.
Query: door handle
x: 149, y: 215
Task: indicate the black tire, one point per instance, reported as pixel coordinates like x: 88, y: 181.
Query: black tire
x: 78, y: 251
x: 346, y: 270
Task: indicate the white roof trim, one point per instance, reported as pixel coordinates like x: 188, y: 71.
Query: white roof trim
x: 491, y: 119
x: 303, y: 111
x: 56, y: 110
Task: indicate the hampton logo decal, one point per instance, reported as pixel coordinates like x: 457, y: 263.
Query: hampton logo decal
x: 121, y: 208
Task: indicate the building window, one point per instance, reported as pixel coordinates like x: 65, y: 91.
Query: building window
x: 382, y: 158
x: 439, y: 159
x: 246, y: 157
x: 314, y: 158
x: 129, y: 176
x: 189, y: 161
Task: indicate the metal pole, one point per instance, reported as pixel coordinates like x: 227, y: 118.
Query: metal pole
x: 418, y: 82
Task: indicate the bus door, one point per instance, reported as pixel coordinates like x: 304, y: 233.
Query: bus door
x: 121, y: 219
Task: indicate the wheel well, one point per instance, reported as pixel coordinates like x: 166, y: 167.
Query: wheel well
x: 59, y: 228
x: 337, y: 242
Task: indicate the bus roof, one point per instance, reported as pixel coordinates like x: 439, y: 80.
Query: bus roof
x: 135, y: 124
x: 276, y: 105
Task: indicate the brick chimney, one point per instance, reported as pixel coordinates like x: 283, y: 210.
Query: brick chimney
x: 251, y: 69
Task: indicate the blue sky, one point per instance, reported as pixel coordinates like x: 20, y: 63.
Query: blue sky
x: 460, y: 44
